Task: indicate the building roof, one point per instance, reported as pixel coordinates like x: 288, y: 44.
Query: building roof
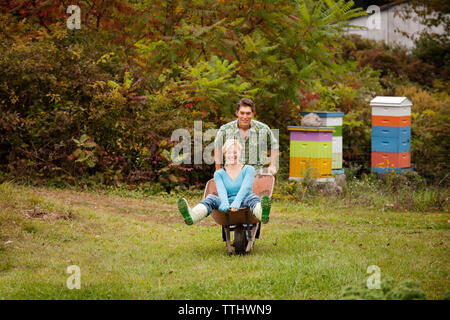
x: 393, y: 4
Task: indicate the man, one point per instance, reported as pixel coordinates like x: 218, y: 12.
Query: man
x: 253, y: 135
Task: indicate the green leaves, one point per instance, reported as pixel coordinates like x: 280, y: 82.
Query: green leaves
x: 143, y: 68
x: 85, y: 153
x: 272, y: 45
x: 213, y: 84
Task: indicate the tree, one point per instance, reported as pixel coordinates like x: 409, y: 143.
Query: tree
x: 139, y: 69
x: 432, y: 47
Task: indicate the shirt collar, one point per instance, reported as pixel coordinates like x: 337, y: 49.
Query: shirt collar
x: 252, y: 123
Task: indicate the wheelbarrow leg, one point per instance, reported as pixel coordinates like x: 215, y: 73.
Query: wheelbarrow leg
x: 248, y: 234
x: 227, y: 236
x: 251, y: 241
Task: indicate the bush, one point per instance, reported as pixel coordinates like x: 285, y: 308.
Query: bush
x: 423, y: 66
x: 388, y: 192
x: 101, y: 103
x: 66, y: 114
x: 435, y: 50
x: 430, y: 129
x: 406, y: 290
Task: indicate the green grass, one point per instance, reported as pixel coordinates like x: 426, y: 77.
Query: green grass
x: 138, y: 247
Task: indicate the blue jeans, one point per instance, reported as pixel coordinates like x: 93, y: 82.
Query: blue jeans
x: 213, y: 202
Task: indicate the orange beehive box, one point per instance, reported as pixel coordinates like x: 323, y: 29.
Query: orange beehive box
x: 391, y: 160
x: 319, y: 166
x: 387, y: 121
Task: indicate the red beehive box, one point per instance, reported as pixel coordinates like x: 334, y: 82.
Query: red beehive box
x: 391, y: 160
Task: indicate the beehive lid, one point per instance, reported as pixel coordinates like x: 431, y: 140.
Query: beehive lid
x: 300, y: 128
x: 324, y: 114
x: 381, y: 101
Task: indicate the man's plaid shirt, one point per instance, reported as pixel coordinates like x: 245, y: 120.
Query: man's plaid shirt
x: 256, y: 146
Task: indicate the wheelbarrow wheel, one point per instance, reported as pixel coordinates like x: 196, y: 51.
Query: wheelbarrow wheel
x: 240, y: 239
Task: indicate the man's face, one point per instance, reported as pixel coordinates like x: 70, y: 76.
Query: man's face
x: 245, y: 115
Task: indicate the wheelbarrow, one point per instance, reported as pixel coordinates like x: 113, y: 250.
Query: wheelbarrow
x: 242, y: 223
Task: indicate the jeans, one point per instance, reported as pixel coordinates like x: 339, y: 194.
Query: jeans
x: 213, y: 202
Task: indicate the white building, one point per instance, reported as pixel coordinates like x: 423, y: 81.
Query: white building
x: 386, y: 23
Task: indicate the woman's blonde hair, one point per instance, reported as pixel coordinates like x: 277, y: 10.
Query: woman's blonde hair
x: 229, y: 143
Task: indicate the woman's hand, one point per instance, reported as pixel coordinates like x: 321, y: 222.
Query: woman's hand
x: 224, y: 207
x: 234, y: 206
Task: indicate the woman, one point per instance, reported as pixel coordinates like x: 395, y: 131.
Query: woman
x: 234, y: 185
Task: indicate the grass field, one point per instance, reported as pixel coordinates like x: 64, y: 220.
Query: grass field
x: 138, y: 247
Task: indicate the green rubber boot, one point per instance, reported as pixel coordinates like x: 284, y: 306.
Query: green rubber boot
x: 183, y: 207
x: 265, y: 205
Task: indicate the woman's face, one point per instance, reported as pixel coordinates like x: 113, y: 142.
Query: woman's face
x: 232, y: 154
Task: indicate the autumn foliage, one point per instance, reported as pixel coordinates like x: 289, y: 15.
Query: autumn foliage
x: 100, y: 103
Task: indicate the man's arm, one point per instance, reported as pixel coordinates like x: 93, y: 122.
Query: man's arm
x: 273, y: 153
x: 273, y: 160
x: 218, y: 143
x: 217, y: 158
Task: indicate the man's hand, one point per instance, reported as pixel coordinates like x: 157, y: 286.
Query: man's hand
x: 273, y: 157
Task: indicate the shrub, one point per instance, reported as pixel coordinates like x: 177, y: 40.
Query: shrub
x: 436, y: 51
x: 405, y: 290
x: 396, y: 61
x: 430, y: 126
x: 388, y: 192
x: 101, y: 103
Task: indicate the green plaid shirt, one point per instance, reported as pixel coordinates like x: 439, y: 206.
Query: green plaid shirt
x: 256, y: 146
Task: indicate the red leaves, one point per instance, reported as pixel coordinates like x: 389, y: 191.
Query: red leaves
x: 43, y: 13
x: 229, y: 33
x: 291, y: 16
x: 243, y: 74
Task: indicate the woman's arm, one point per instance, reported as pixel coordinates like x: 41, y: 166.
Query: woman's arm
x: 246, y: 187
x: 222, y: 191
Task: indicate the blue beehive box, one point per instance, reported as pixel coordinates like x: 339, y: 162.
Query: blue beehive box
x: 392, y: 132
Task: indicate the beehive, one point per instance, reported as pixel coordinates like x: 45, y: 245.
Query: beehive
x: 391, y: 134
x: 310, y: 147
x: 334, y: 120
